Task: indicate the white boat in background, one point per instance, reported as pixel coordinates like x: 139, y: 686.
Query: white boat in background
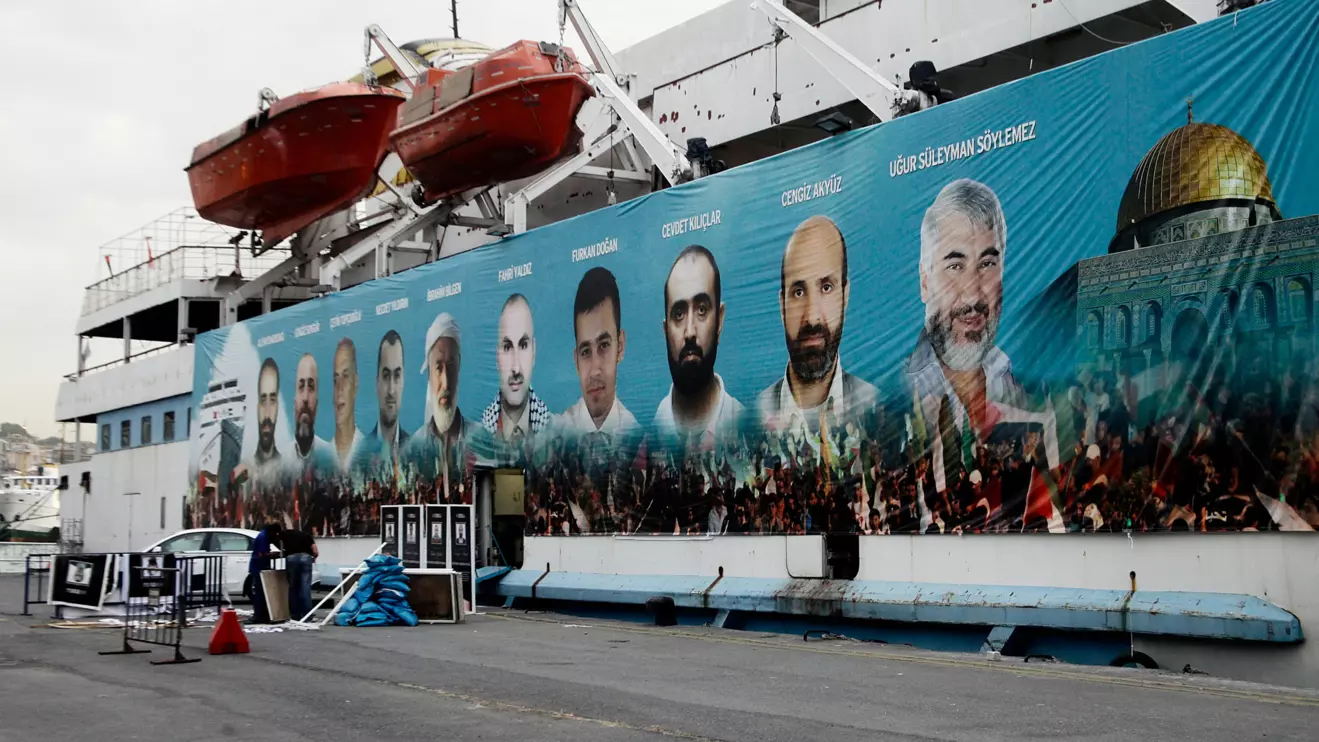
x: 30, y: 506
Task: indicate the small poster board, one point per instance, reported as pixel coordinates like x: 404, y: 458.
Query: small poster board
x: 437, y: 527
x: 152, y: 575
x: 389, y: 529
x: 275, y: 586
x: 437, y: 537
x: 411, y: 517
x: 79, y: 580
x: 461, y: 550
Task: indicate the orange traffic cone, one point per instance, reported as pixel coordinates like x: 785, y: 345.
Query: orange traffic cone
x: 228, y: 636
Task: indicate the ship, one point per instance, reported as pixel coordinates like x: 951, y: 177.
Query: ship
x: 744, y: 92
x: 30, y: 506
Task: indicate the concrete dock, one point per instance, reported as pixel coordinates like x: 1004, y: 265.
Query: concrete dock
x: 521, y: 676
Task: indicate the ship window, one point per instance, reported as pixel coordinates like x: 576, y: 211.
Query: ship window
x: 145, y: 431
x: 167, y: 434
x: 105, y: 436
x: 187, y: 425
x: 126, y: 434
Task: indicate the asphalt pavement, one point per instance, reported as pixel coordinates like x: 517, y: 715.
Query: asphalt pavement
x: 537, y: 676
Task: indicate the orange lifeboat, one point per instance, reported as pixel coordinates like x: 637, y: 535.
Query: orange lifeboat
x: 302, y: 158
x: 508, y: 116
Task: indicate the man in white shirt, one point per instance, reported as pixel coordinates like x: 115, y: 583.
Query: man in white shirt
x: 697, y: 402
x: 347, y: 437
x: 813, y: 294
x: 517, y: 412
x: 600, y: 342
x: 717, y: 519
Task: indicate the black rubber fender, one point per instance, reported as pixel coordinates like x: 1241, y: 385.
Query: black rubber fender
x: 662, y: 608
x: 1135, y: 658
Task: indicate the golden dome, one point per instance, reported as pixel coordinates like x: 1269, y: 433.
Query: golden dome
x: 1194, y: 164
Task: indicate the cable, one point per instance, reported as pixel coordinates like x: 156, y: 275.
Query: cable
x: 1087, y: 29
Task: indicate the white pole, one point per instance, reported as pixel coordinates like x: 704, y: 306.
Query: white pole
x: 342, y: 583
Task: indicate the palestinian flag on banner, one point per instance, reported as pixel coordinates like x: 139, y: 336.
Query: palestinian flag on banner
x: 1042, y: 501
x: 1007, y: 421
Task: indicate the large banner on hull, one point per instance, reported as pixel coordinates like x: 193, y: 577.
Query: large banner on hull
x: 1080, y: 301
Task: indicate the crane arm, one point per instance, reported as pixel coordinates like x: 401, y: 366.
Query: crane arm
x: 876, y: 93
x: 601, y: 57
x: 409, y: 72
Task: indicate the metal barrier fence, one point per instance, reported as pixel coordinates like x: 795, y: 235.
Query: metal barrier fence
x: 36, y: 568
x: 154, y: 611
x: 201, y: 582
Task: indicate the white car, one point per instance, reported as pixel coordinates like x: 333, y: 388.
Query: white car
x: 234, y: 543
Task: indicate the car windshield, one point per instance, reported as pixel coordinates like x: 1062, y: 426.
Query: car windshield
x: 184, y: 542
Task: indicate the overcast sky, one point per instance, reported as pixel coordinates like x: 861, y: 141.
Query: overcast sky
x: 105, y: 100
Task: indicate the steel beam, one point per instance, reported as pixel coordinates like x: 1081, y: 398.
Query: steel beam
x: 594, y: 172
x: 252, y: 289
x: 601, y: 57
x: 667, y: 156
x: 406, y: 69
x: 515, y: 206
x: 873, y: 91
x: 389, y: 236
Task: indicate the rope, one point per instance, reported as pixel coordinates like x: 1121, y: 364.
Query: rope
x: 1087, y: 29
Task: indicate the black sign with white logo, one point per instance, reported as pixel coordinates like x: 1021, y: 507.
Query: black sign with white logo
x: 78, y: 580
x: 389, y: 529
x: 151, y: 575
x: 461, y: 547
x: 411, y: 535
x: 437, y: 525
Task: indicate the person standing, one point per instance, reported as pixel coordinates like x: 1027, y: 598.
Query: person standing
x: 300, y: 553
x: 263, y: 550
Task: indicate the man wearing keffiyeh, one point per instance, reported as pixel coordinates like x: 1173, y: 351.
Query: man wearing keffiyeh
x: 517, y: 412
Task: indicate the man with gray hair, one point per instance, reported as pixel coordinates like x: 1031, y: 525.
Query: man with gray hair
x: 962, y: 381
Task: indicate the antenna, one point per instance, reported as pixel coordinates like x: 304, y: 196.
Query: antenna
x: 453, y: 10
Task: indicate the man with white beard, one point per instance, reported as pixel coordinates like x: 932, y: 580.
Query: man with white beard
x: 446, y: 430
x: 956, y: 364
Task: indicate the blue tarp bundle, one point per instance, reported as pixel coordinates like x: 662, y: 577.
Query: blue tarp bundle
x: 381, y: 597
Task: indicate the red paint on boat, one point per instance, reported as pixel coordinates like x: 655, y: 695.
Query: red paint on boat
x: 509, y: 116
x: 307, y: 156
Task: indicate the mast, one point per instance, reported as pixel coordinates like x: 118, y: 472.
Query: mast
x: 453, y: 10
